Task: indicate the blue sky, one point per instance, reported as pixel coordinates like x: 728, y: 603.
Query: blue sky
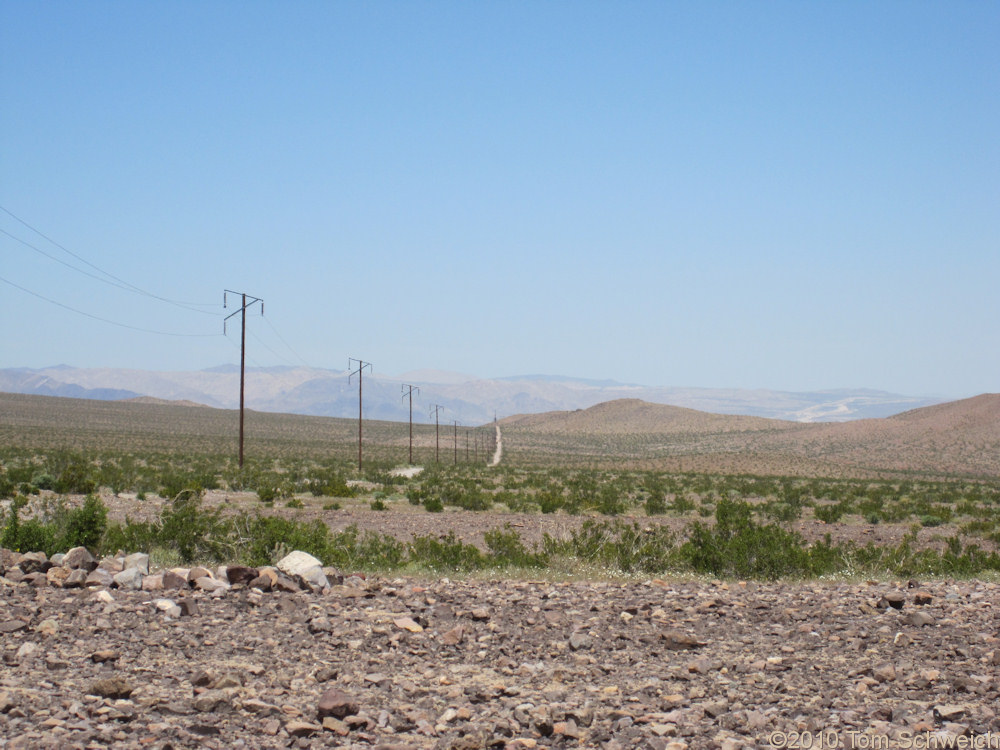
x: 733, y: 194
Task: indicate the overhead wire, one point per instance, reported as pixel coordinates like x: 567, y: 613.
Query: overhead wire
x: 128, y: 286
x: 105, y: 320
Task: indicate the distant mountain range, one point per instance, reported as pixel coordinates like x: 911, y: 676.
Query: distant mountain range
x: 469, y: 399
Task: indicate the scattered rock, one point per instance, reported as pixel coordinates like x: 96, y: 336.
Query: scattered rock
x: 337, y: 704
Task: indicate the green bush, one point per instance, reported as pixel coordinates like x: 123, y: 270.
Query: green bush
x: 445, y: 553
x: 85, y: 526
x: 78, y: 477
x: 506, y: 549
x: 738, y: 547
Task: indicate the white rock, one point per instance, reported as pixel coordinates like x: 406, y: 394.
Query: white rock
x: 130, y: 578
x: 139, y: 560
x: 305, y: 566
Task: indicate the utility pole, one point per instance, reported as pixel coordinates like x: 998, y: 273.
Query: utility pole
x: 437, y: 431
x: 361, y: 368
x: 455, y: 421
x: 409, y: 393
x: 243, y: 345
x: 466, y: 446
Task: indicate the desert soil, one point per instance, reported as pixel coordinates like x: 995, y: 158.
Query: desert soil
x: 405, y: 663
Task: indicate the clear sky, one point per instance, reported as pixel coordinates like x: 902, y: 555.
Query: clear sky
x: 789, y: 195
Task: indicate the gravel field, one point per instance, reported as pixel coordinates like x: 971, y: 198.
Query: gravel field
x: 405, y: 663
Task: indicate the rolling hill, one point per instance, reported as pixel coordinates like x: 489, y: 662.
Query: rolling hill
x: 961, y: 438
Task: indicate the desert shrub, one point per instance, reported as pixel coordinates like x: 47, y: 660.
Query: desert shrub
x: 445, y: 553
x: 84, y: 526
x: 831, y: 513
x: 7, y: 487
x: 549, y: 501
x: 377, y: 504
x: 506, y: 549
x: 261, y: 537
x: 351, y: 549
x: 195, y: 534
x: 617, y: 545
x: 433, y: 505
x: 738, y: 547
x: 26, y: 535
x: 77, y: 477
x: 655, y: 504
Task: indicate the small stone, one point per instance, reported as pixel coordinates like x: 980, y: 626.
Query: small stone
x: 240, y: 574
x: 918, y: 619
x: 187, y: 607
x: 200, y: 572
x: 79, y: 558
x: 894, y: 599
x: 949, y: 712
x: 885, y: 673
x: 140, y: 561
x: 922, y: 597
x: 129, y: 579
x: 337, y: 704
x: 480, y: 614
x: 336, y: 726
x: 679, y: 641
x: 113, y: 687
x: 579, y: 641
x: 99, y: 577
x: 454, y: 636
x: 407, y: 623
x: 210, y: 700
x: 58, y: 576
x: 173, y: 580
x: 104, y: 655
x: 298, y: 728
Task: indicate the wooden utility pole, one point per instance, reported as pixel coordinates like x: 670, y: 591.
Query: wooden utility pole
x: 243, y: 346
x: 361, y: 367
x: 435, y: 410
x: 408, y: 391
x: 456, y: 441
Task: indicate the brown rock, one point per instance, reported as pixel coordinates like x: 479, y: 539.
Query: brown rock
x: 113, y: 687
x: 240, y: 574
x: 79, y: 558
x: 172, y: 580
x: 337, y: 704
x: 680, y: 641
x: 454, y: 636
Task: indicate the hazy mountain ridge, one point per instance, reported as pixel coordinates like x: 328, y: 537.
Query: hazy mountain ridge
x: 471, y: 400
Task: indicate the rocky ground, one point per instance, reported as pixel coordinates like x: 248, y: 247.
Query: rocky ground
x: 404, y: 663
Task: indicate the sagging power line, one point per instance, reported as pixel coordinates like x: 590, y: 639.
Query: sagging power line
x: 114, y: 280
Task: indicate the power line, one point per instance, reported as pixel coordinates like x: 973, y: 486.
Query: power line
x: 105, y: 320
x: 243, y: 347
x: 122, y: 284
x: 359, y: 372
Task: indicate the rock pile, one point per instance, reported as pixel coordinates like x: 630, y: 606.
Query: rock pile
x: 405, y: 663
x: 78, y: 568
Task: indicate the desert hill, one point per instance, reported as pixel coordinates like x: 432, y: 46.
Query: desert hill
x: 955, y: 438
x: 631, y: 416
x: 961, y: 438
